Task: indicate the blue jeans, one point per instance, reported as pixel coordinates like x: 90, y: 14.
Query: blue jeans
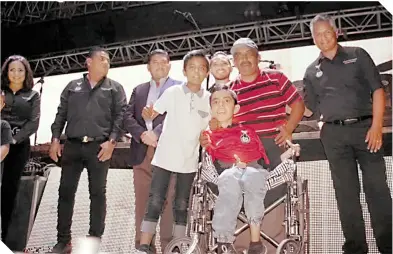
x: 157, y: 196
x: 233, y: 183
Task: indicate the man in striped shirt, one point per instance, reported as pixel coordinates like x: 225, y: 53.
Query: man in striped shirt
x: 263, y: 96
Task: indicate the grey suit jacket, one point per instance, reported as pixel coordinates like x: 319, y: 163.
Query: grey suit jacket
x: 134, y: 124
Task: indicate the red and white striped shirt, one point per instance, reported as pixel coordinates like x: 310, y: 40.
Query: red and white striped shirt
x: 262, y: 102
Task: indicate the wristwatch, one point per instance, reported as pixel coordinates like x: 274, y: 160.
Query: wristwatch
x: 113, y: 141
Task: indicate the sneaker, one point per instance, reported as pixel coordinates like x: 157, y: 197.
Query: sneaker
x: 141, y: 252
x: 62, y: 248
x: 226, y: 248
x: 144, y: 249
x: 257, y: 248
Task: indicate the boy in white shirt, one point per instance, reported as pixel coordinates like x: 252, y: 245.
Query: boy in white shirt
x: 187, y: 114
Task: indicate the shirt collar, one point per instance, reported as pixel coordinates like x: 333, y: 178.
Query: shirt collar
x: 6, y: 88
x: 340, y: 52
x: 86, y: 79
x: 162, y: 81
x: 187, y: 90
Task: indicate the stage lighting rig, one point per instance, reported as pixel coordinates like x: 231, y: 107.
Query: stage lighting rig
x: 252, y: 10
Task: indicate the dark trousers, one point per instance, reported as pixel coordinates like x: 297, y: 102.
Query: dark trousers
x: 158, y: 192
x: 273, y: 152
x: 76, y: 157
x: 345, y: 147
x: 14, y: 165
x: 142, y: 181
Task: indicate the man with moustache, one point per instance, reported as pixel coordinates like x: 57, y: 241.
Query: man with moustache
x: 93, y: 108
x: 138, y: 124
x: 344, y: 88
x: 263, y: 96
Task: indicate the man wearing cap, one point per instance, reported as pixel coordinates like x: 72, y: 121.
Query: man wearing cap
x: 263, y: 96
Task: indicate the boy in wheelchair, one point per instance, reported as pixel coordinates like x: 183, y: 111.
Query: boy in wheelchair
x: 239, y: 151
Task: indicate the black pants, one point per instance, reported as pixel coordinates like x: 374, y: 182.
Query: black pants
x: 345, y: 147
x: 273, y: 152
x: 14, y: 165
x: 76, y: 157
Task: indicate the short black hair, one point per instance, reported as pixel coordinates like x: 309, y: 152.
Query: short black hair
x: 216, y: 88
x: 195, y: 53
x: 157, y: 52
x: 95, y: 50
x: 220, y: 53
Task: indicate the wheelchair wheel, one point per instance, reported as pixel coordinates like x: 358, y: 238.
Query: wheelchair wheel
x: 181, y: 246
x: 289, y: 246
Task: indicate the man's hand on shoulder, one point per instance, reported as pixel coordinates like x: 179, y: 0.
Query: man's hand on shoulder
x: 214, y: 124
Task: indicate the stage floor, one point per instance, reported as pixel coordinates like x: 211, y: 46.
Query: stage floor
x: 325, y: 232
x: 119, y: 231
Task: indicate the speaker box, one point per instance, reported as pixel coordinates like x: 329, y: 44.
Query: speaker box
x: 27, y: 201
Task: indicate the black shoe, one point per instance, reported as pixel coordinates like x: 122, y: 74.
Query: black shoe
x: 257, y: 248
x: 62, y: 248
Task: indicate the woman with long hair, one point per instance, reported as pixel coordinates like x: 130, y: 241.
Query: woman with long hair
x: 22, y: 112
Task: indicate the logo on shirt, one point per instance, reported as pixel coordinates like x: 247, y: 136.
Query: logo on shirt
x: 353, y: 60
x: 15, y: 131
x: 106, y: 89
x: 244, y: 138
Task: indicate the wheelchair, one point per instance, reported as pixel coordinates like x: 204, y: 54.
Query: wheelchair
x: 199, y: 234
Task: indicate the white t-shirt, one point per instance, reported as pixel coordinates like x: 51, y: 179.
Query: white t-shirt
x: 187, y: 114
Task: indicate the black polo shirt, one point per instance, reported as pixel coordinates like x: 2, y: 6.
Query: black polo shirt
x: 345, y: 88
x: 22, y: 112
x: 94, y: 112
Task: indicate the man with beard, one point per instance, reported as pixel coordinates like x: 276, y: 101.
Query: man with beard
x: 221, y: 68
x: 263, y: 96
x: 138, y: 124
x: 343, y: 86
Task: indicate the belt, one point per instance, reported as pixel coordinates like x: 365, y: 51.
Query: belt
x: 350, y: 120
x: 87, y: 139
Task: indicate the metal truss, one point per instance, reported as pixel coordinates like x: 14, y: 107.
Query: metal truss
x: 24, y: 12
x: 275, y: 31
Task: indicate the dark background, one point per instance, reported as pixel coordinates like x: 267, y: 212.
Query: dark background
x: 111, y: 26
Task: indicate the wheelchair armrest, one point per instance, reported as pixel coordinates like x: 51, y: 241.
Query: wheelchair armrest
x: 208, y: 170
x: 281, y: 174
